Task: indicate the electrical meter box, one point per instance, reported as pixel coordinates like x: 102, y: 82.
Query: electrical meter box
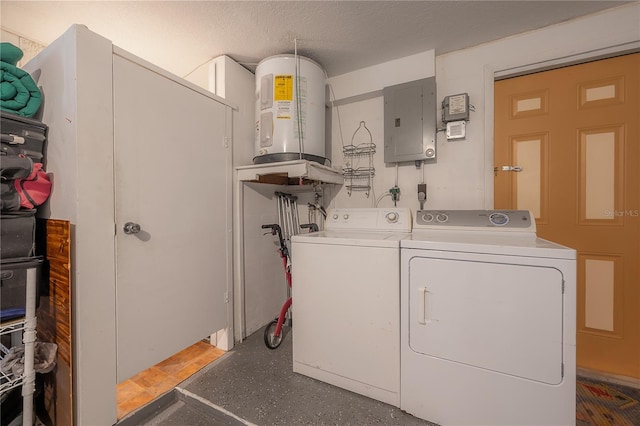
x: 410, y: 121
x: 455, y: 108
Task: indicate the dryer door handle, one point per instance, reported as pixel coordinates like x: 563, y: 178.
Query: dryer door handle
x: 423, y: 305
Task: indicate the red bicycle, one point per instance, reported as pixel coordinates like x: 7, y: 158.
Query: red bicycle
x: 273, y: 331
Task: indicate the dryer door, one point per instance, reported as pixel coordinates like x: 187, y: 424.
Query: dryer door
x: 478, y: 311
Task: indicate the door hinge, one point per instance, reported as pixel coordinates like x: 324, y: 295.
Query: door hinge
x: 227, y: 141
x: 226, y: 297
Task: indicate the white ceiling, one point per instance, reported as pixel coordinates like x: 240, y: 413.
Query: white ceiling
x: 341, y: 35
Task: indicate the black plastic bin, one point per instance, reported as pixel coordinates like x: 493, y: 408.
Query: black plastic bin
x: 13, y: 290
x: 17, y: 234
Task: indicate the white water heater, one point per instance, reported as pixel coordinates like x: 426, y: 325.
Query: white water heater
x: 290, y: 110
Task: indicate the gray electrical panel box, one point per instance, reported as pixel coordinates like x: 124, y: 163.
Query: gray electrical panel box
x: 410, y: 121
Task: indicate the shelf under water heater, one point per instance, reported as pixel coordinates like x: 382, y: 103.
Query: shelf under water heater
x: 290, y: 110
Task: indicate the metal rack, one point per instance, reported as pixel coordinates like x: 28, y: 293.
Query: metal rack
x: 26, y: 326
x: 359, y: 177
x: 9, y: 381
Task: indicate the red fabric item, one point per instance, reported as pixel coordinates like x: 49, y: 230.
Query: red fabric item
x: 34, y: 189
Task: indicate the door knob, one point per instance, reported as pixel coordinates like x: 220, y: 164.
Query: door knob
x: 131, y: 228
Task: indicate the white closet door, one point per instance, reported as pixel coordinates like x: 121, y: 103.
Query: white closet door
x: 173, y: 179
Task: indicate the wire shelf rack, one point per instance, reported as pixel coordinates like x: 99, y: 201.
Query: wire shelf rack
x: 357, y: 177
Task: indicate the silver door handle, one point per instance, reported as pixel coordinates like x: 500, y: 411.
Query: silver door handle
x: 511, y: 168
x: 131, y: 228
x: 424, y: 312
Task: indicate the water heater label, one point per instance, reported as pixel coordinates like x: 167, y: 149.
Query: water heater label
x: 283, y: 110
x: 283, y: 88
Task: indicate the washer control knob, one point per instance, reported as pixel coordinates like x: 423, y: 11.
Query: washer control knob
x: 335, y: 216
x: 441, y: 217
x: 345, y: 216
x: 427, y: 217
x: 499, y: 219
x: 392, y: 217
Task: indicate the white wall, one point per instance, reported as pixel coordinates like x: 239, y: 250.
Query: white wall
x: 373, y: 79
x: 472, y: 70
x: 358, y: 97
x: 29, y: 47
x: 462, y: 177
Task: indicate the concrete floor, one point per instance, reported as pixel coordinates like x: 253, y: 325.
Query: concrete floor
x: 254, y: 385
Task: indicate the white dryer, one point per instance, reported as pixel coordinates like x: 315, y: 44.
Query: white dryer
x: 487, y: 321
x: 346, y: 301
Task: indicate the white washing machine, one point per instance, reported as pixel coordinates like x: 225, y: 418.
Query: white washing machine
x: 488, y: 321
x: 346, y: 301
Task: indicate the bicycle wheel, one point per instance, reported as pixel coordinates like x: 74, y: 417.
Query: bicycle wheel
x: 270, y: 339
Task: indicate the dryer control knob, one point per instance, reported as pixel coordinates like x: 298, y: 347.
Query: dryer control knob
x: 499, y: 219
x: 335, y: 216
x: 392, y: 217
x: 345, y: 216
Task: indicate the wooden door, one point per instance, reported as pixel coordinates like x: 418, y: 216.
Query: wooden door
x: 172, y: 168
x: 573, y: 133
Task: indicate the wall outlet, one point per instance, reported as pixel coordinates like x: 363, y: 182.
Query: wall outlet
x: 422, y: 194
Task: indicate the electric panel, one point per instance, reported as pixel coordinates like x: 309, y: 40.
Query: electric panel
x: 410, y: 121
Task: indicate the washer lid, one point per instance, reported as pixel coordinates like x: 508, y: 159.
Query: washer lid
x: 352, y: 238
x: 487, y: 242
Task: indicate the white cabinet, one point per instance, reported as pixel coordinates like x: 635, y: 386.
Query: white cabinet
x: 129, y: 142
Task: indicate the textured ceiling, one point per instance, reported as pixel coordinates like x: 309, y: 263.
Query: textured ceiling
x: 341, y: 35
